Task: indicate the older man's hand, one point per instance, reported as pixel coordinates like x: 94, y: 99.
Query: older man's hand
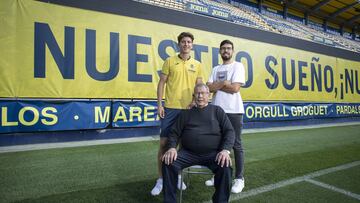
x: 223, y: 158
x: 169, y: 156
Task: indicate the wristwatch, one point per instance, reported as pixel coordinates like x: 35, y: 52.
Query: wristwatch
x: 227, y: 151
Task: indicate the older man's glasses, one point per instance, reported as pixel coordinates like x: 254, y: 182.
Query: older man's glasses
x: 201, y: 93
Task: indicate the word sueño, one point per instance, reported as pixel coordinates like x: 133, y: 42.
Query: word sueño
x: 291, y: 74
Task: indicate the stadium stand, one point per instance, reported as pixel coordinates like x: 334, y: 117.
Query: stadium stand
x: 250, y: 16
x: 254, y: 18
x: 172, y: 4
x: 287, y: 28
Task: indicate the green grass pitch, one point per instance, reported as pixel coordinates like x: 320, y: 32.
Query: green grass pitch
x: 126, y: 172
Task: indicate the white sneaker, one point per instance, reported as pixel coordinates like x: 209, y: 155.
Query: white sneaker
x: 158, y: 187
x: 179, y: 184
x: 210, y: 182
x: 238, y: 186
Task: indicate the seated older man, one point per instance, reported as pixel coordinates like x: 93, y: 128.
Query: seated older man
x: 206, y: 137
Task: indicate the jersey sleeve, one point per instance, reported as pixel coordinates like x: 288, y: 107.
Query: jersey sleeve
x: 200, y: 72
x: 211, y: 77
x: 176, y: 130
x: 166, y: 67
x: 239, y: 74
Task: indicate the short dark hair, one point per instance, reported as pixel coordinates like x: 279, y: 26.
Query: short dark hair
x: 185, y: 34
x: 227, y: 42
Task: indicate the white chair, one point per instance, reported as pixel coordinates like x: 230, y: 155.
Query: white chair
x: 195, y: 169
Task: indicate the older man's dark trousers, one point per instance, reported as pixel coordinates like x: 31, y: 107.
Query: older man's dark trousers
x: 185, y: 159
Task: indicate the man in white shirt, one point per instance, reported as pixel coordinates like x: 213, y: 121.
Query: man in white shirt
x: 225, y: 81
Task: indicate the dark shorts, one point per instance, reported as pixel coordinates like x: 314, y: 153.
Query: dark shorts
x: 170, y: 117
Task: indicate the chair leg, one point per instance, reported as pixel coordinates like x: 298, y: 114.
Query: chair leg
x: 188, y: 177
x: 181, y: 180
x: 187, y: 172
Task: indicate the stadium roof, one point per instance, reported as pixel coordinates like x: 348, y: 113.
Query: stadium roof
x: 342, y: 12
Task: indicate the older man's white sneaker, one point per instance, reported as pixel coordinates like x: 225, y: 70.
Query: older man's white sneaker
x: 158, y: 187
x: 238, y: 185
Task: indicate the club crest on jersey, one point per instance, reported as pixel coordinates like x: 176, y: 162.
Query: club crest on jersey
x: 191, y: 68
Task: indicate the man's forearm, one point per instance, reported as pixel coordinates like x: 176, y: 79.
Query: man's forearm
x: 231, y: 88
x: 227, y: 131
x: 215, y: 86
x: 160, y: 93
x: 172, y: 141
x: 176, y: 131
x: 228, y: 140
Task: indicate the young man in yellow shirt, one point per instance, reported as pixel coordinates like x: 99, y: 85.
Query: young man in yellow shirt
x: 178, y: 77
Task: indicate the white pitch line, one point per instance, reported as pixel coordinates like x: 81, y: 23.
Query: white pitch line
x: 270, y: 187
x: 300, y: 127
x: 29, y: 147
x: 333, y: 188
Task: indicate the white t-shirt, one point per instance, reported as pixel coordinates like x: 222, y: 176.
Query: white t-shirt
x: 235, y: 73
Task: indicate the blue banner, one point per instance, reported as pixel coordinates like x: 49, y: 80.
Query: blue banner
x: 286, y: 111
x: 30, y: 116
x: 134, y: 114
x: 347, y: 110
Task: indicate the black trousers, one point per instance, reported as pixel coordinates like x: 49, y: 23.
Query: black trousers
x: 237, y: 123
x: 186, y: 159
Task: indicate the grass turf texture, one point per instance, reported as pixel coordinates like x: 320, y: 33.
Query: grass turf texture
x: 127, y: 172
x: 348, y: 179
x: 300, y: 192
